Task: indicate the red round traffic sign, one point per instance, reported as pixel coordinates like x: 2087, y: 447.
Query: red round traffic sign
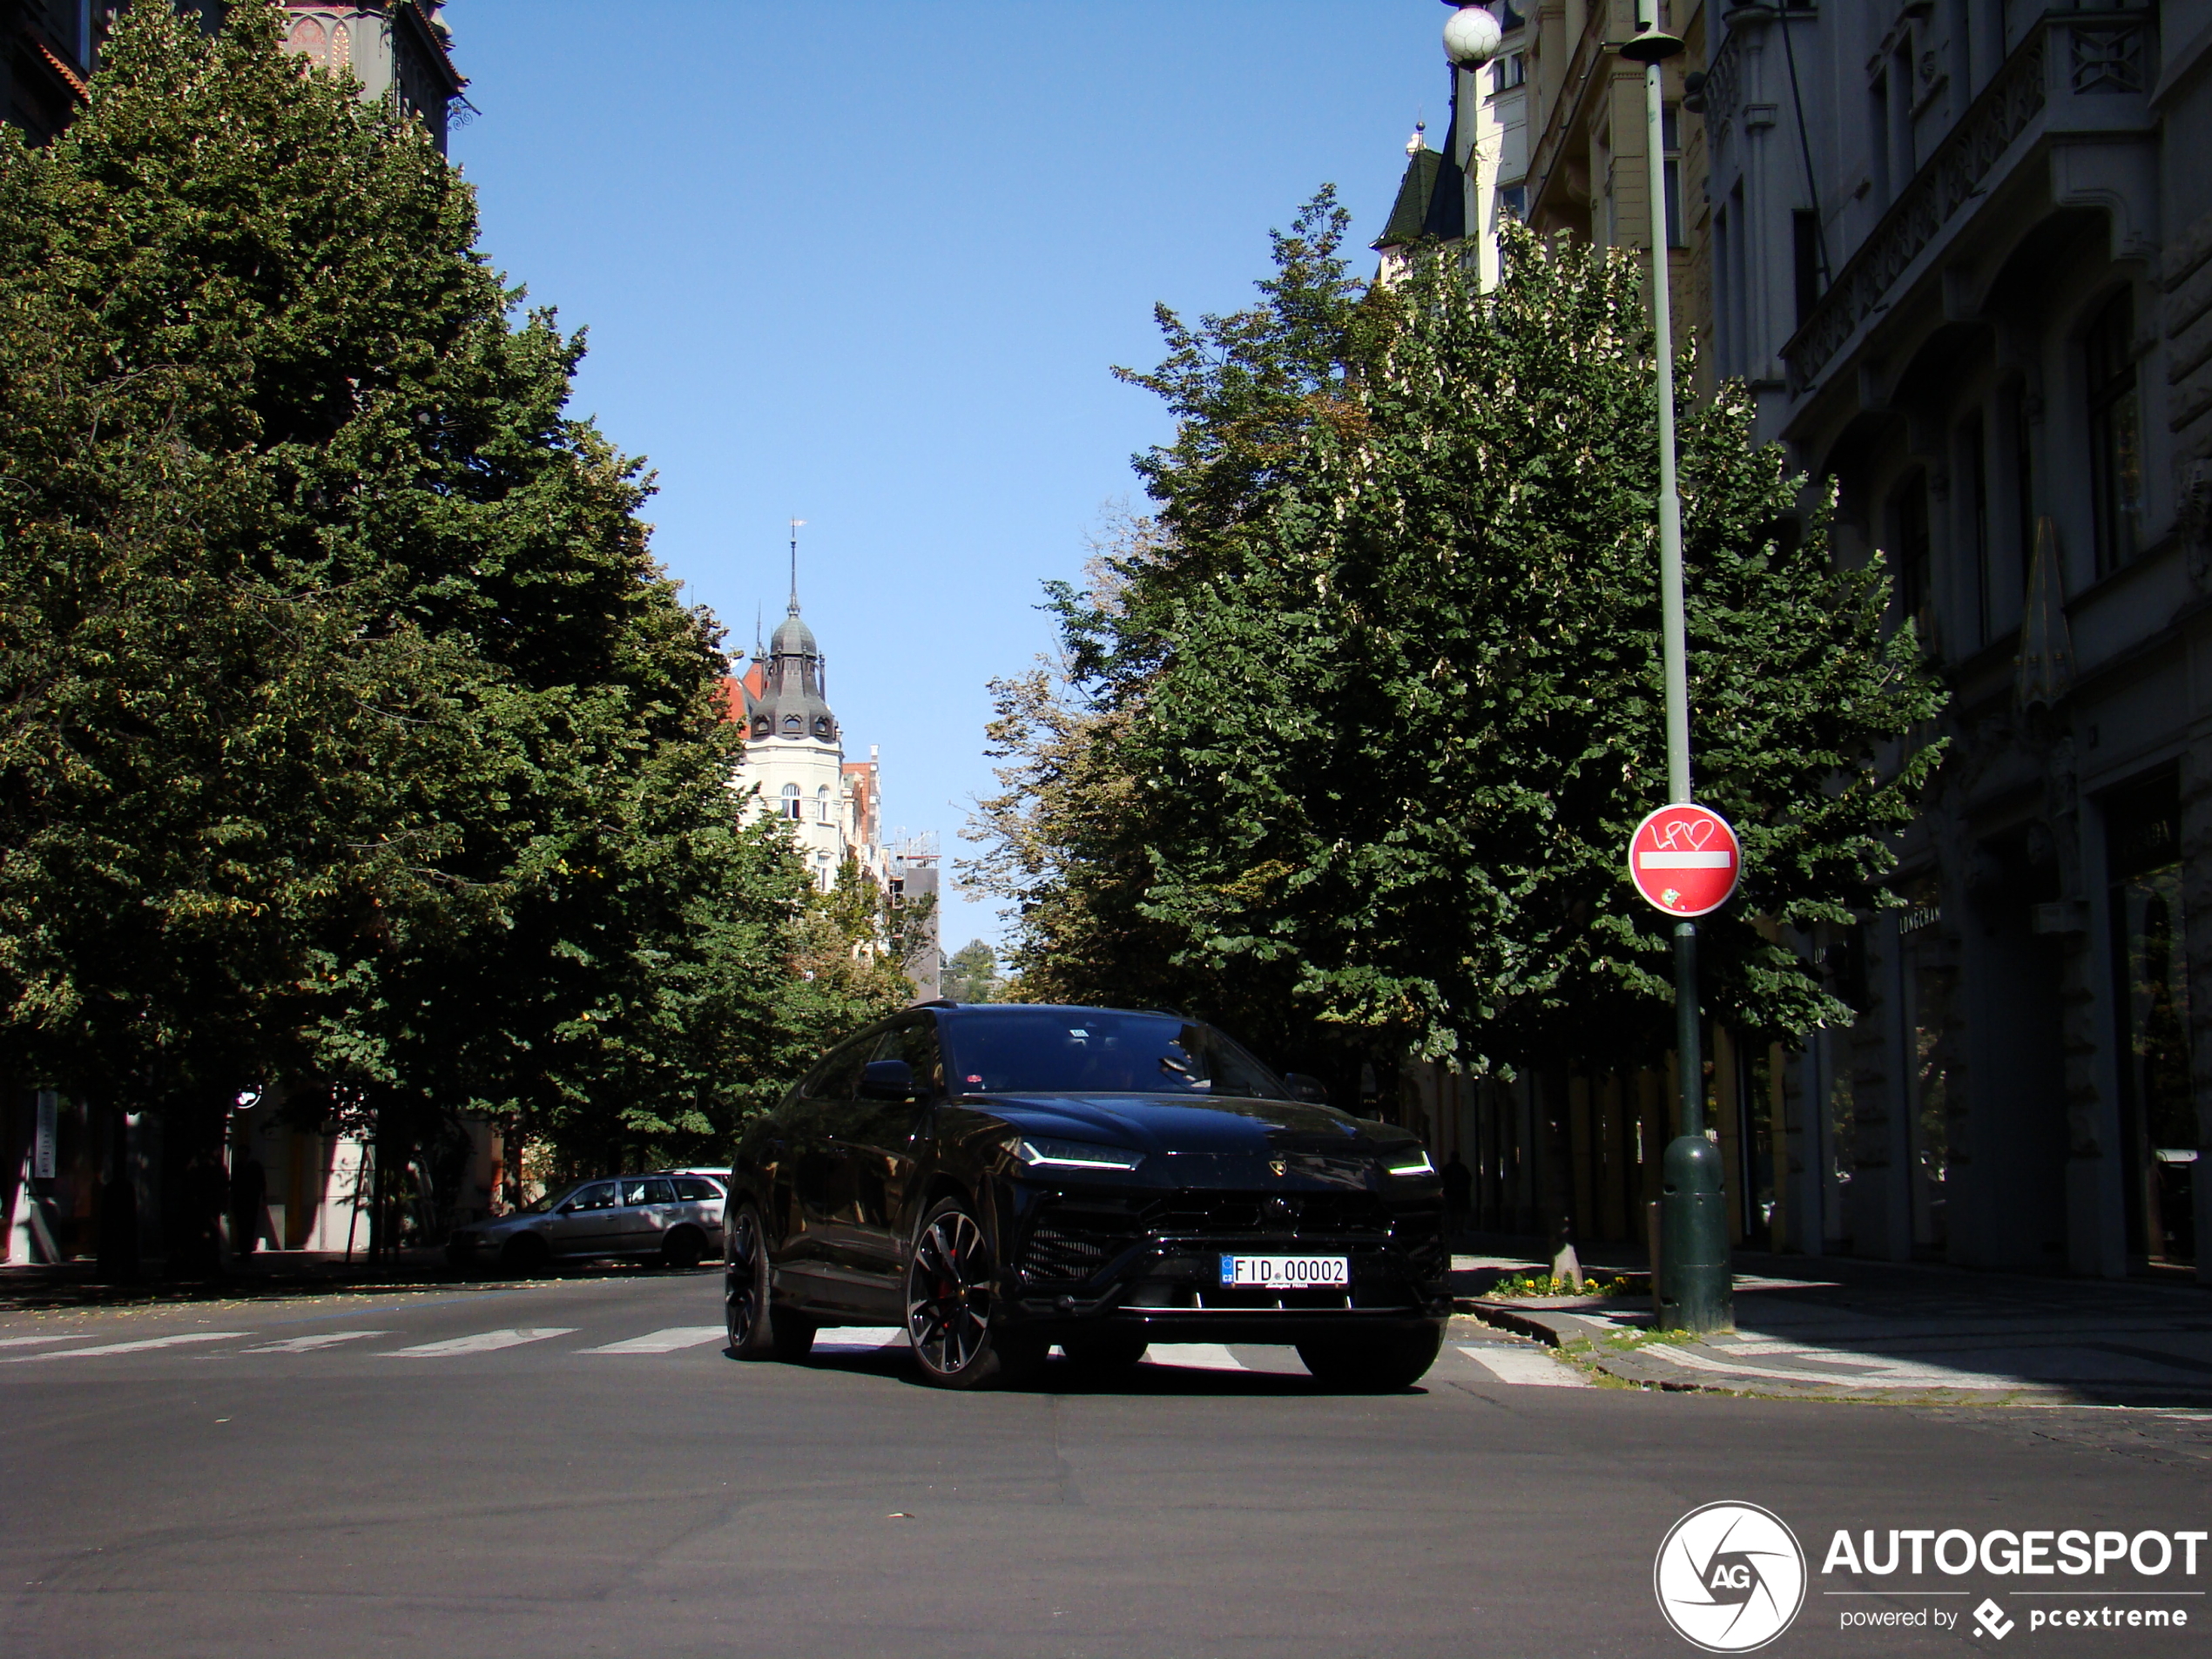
x: 1685, y: 859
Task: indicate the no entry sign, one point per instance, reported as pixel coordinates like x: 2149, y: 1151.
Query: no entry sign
x: 1685, y: 860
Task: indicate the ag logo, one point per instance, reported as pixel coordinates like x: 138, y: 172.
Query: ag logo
x: 1730, y: 1577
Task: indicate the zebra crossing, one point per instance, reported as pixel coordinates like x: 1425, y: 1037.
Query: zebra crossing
x: 1502, y: 1361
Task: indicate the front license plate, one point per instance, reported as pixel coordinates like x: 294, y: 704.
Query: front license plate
x: 1284, y: 1272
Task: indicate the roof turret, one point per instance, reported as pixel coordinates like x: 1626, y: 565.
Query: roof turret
x: 792, y: 704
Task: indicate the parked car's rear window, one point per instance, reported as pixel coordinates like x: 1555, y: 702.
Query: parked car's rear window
x: 696, y: 1189
x: 1080, y: 1051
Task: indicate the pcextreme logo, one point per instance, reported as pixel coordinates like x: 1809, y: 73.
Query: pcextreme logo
x: 1730, y: 1577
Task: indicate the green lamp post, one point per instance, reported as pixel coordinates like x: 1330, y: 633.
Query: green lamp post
x: 1693, y: 1283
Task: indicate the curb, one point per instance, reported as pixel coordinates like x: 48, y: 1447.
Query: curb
x: 1555, y: 1328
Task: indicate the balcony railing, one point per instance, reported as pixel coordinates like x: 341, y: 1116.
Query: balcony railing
x: 2069, y: 55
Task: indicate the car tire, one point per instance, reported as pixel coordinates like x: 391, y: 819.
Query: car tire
x: 1104, y: 1355
x: 1381, y: 1364
x: 683, y: 1249
x: 526, y: 1255
x: 756, y: 1328
x: 952, y: 1306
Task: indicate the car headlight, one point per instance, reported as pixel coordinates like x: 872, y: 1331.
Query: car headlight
x: 1040, y: 1153
x: 1414, y: 1163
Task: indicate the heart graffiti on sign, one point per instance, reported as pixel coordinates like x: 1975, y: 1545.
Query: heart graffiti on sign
x: 1685, y: 860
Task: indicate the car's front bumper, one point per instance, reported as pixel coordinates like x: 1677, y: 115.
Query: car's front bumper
x: 1146, y: 1264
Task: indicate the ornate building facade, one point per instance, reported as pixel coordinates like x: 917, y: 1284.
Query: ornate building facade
x: 795, y: 767
x: 1963, y: 261
x: 795, y: 770
x: 399, y: 49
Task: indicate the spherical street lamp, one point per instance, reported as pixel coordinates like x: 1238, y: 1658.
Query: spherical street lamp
x: 1471, y: 37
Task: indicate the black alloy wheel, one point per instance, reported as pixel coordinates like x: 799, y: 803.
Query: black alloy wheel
x: 682, y: 1249
x: 951, y: 1302
x: 757, y: 1329
x: 1381, y: 1363
x: 1104, y: 1355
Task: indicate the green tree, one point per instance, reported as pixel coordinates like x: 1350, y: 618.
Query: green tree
x: 971, y: 973
x: 355, y: 744
x: 1349, y: 755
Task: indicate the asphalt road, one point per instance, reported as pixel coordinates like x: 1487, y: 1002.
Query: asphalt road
x: 574, y: 1468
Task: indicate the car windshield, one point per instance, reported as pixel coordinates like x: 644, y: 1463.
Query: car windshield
x: 1086, y: 1051
x: 540, y: 1206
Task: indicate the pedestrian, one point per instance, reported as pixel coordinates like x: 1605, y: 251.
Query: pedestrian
x: 249, y: 1204
x: 1458, y: 1191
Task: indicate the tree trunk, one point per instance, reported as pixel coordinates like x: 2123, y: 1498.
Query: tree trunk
x: 1558, y: 1175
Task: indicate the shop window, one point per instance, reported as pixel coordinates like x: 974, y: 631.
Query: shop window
x: 2115, y: 431
x: 2143, y: 857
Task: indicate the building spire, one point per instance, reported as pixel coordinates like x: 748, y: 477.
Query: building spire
x: 795, y: 524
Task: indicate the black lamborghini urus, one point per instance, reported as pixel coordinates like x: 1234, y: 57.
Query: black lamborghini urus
x: 1000, y: 1179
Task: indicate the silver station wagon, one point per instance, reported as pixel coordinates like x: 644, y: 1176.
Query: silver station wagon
x: 673, y: 1219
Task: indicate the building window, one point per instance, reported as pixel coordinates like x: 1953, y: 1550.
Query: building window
x: 1914, y: 549
x: 2022, y: 422
x: 1804, y: 251
x: 1671, y: 150
x: 1507, y: 72
x: 1513, y: 201
x: 822, y: 804
x: 2115, y: 432
x: 1974, y: 467
x: 791, y: 802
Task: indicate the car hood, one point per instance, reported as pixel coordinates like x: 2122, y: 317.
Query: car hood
x: 1183, y: 1124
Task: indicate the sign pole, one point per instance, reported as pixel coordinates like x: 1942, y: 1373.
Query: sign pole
x: 1691, y: 1276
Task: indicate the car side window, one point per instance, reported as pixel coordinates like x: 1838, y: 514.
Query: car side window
x: 837, y: 1077
x: 692, y: 1190
x: 660, y: 1191
x: 600, y: 1195
x: 915, y: 1042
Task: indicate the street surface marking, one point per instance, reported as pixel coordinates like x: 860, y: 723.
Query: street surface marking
x: 668, y: 1341
x: 36, y: 1342
x: 860, y: 1339
x: 308, y: 1345
x: 482, y: 1342
x: 1198, y: 1356
x: 139, y: 1346
x: 1525, y: 1367
x: 1892, y: 1376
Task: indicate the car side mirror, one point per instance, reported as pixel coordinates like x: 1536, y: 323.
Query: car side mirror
x: 888, y: 1080
x: 1312, y: 1090
x: 565, y: 1209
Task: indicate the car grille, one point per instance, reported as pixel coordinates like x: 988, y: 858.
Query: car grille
x: 1069, y: 1242
x: 1213, y: 1215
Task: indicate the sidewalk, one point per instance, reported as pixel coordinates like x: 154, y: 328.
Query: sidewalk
x: 1841, y: 1330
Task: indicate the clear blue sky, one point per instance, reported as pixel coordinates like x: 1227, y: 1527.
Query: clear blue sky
x: 869, y: 265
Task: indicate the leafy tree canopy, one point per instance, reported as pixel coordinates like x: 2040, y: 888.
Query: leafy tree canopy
x: 1346, y: 747
x: 354, y: 743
